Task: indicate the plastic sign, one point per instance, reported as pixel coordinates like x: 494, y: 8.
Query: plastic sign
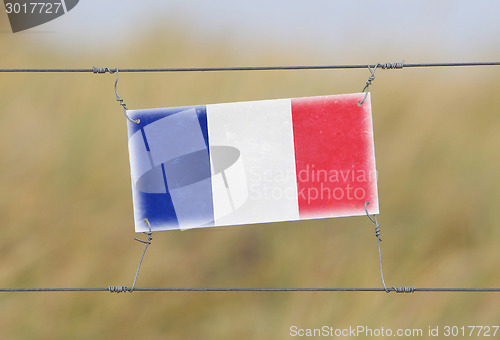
x: 252, y: 162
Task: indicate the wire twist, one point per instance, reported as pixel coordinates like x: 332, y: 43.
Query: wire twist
x: 385, y: 66
x: 117, y: 289
x: 147, y: 242
x: 122, y: 289
x: 374, y: 220
x: 379, y: 239
x: 368, y: 83
x: 102, y: 70
x: 392, y: 66
x: 120, y: 100
x: 404, y: 289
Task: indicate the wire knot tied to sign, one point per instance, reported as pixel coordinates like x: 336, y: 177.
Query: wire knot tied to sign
x: 374, y: 220
x: 368, y: 83
x: 148, y: 233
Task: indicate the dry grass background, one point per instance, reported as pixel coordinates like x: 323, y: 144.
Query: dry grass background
x: 66, y: 209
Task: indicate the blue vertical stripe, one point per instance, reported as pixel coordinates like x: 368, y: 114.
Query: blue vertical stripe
x: 176, y: 193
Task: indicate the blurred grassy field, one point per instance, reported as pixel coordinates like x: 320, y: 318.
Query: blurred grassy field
x: 66, y: 208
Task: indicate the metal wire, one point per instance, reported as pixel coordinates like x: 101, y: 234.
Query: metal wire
x: 173, y: 289
x: 147, y: 243
x: 118, y: 98
x: 365, y: 90
x: 120, y: 289
x: 379, y: 239
x: 123, y: 289
x: 248, y: 68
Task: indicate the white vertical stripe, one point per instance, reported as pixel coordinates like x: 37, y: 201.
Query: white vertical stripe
x: 236, y: 183
x: 262, y: 131
x: 221, y: 194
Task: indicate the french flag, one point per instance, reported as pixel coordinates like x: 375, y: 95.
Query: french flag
x: 252, y: 162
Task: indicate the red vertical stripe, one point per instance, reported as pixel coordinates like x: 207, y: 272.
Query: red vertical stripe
x: 334, y: 156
